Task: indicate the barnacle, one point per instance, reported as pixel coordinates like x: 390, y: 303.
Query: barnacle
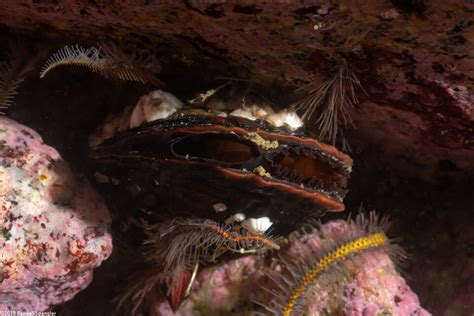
x: 332, y: 102
x: 107, y: 60
x: 257, y: 225
x: 290, y: 286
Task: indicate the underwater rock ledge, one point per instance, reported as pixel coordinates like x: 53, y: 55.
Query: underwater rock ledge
x: 412, y: 58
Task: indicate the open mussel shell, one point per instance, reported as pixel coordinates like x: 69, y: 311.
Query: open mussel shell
x: 185, y: 165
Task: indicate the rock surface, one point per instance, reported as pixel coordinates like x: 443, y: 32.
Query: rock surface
x: 370, y: 285
x: 413, y: 58
x: 54, y: 229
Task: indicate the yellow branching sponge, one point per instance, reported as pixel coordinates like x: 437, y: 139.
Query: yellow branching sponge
x: 299, y: 274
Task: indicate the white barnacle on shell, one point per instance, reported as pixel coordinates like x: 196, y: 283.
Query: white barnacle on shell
x: 218, y: 207
x: 293, y: 120
x: 283, y: 118
x: 239, y: 217
x: 236, y: 218
x: 153, y: 106
x: 253, y: 112
x: 288, y: 118
x: 257, y: 225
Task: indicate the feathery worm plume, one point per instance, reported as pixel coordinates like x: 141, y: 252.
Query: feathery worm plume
x: 331, y: 102
x: 176, y: 247
x: 108, y: 61
x: 10, y: 80
x: 76, y: 56
x: 13, y: 73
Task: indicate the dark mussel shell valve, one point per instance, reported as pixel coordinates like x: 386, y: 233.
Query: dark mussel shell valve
x: 186, y: 164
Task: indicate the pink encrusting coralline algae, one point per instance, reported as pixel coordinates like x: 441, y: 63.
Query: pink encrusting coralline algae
x: 366, y: 285
x: 54, y: 229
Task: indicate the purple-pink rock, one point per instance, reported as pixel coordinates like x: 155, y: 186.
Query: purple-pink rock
x: 54, y: 229
x: 369, y: 284
x: 220, y: 290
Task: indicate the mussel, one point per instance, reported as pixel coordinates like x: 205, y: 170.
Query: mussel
x: 187, y: 163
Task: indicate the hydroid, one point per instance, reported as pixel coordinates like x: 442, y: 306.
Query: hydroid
x: 9, y: 83
x: 77, y: 55
x: 12, y: 74
x: 107, y: 60
x: 331, y: 103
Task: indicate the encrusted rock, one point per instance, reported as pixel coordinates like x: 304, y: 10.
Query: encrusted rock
x: 53, y: 228
x: 368, y: 284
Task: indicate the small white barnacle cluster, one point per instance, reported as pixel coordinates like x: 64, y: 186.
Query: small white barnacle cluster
x: 257, y: 225
x: 153, y: 106
x: 160, y: 105
x: 254, y: 225
x: 253, y: 111
x: 285, y: 118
